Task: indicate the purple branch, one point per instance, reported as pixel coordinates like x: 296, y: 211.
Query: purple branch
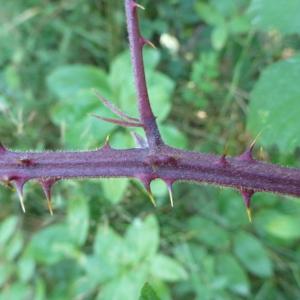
x: 152, y: 160
x: 137, y: 42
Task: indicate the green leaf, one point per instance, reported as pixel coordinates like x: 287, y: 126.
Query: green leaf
x: 148, y: 293
x: 114, y: 188
x: 7, y: 229
x: 142, y: 238
x: 160, y: 86
x: 127, y: 286
x: 79, y: 128
x: 173, y: 137
x: 252, y: 254
x: 78, y: 219
x: 108, y: 244
x: 51, y: 245
x: 275, y: 107
x: 235, y: 277
x: 219, y: 37
x: 282, y: 15
x: 278, y: 225
x: 67, y: 81
x: 166, y: 268
x: 208, y: 232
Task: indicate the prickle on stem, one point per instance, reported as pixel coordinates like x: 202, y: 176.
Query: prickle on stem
x: 138, y: 6
x: 247, y: 196
x: 19, y: 188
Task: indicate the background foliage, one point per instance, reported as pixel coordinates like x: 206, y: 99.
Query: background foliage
x: 223, y: 72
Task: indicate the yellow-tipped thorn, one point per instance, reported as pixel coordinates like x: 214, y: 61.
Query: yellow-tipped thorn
x: 151, y: 198
x: 249, y: 213
x: 149, y: 43
x: 21, y: 198
x: 107, y: 139
x: 139, y: 6
x: 49, y: 206
x: 256, y: 138
x: 171, y: 196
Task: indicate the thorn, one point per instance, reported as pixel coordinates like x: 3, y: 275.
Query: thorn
x: 223, y: 161
x: 113, y: 108
x: 139, y: 140
x: 19, y: 183
x: 149, y: 43
x: 106, y: 145
x: 119, y: 122
x: 151, y: 198
x: 138, y: 5
x: 248, y: 154
x: 47, y: 186
x: 2, y: 149
x: 249, y: 213
x: 247, y: 196
x: 146, y: 182
x: 170, y: 194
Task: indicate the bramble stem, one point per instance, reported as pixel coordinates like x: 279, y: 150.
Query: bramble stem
x: 169, y: 164
x: 153, y: 160
x: 137, y: 42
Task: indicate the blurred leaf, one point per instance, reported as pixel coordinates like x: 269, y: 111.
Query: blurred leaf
x: 283, y: 15
x: 16, y: 290
x: 142, y: 238
x: 252, y: 254
x: 173, y: 137
x: 109, y: 245
x: 274, y: 106
x: 14, y: 247
x: 219, y: 37
x: 114, y: 189
x: 128, y: 286
x: 148, y: 293
x: 7, y: 229
x: 78, y: 219
x: 67, y: 81
x: 51, y: 245
x: 278, y: 225
x: 167, y: 268
x: 208, y: 232
x: 235, y: 276
x: 209, y: 14
x: 26, y: 268
x: 159, y: 85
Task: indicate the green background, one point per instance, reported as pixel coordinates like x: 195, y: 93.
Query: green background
x: 223, y: 72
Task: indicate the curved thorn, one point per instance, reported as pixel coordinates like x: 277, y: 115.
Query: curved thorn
x: 150, y: 195
x: 139, y: 140
x: 249, y: 214
x: 47, y: 186
x: 2, y: 149
x: 247, y: 196
x: 138, y: 5
x: 19, y: 183
x: 170, y: 194
x: 113, y: 108
x: 223, y: 161
x: 119, y: 122
x: 148, y: 42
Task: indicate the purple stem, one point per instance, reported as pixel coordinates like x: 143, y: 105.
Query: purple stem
x: 169, y: 164
x: 154, y: 160
x: 137, y: 42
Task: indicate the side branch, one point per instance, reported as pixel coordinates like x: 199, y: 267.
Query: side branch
x: 137, y: 42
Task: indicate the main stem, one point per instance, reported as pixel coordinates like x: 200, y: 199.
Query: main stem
x: 156, y: 160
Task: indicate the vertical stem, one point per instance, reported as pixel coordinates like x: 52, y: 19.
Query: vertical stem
x: 136, y: 42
